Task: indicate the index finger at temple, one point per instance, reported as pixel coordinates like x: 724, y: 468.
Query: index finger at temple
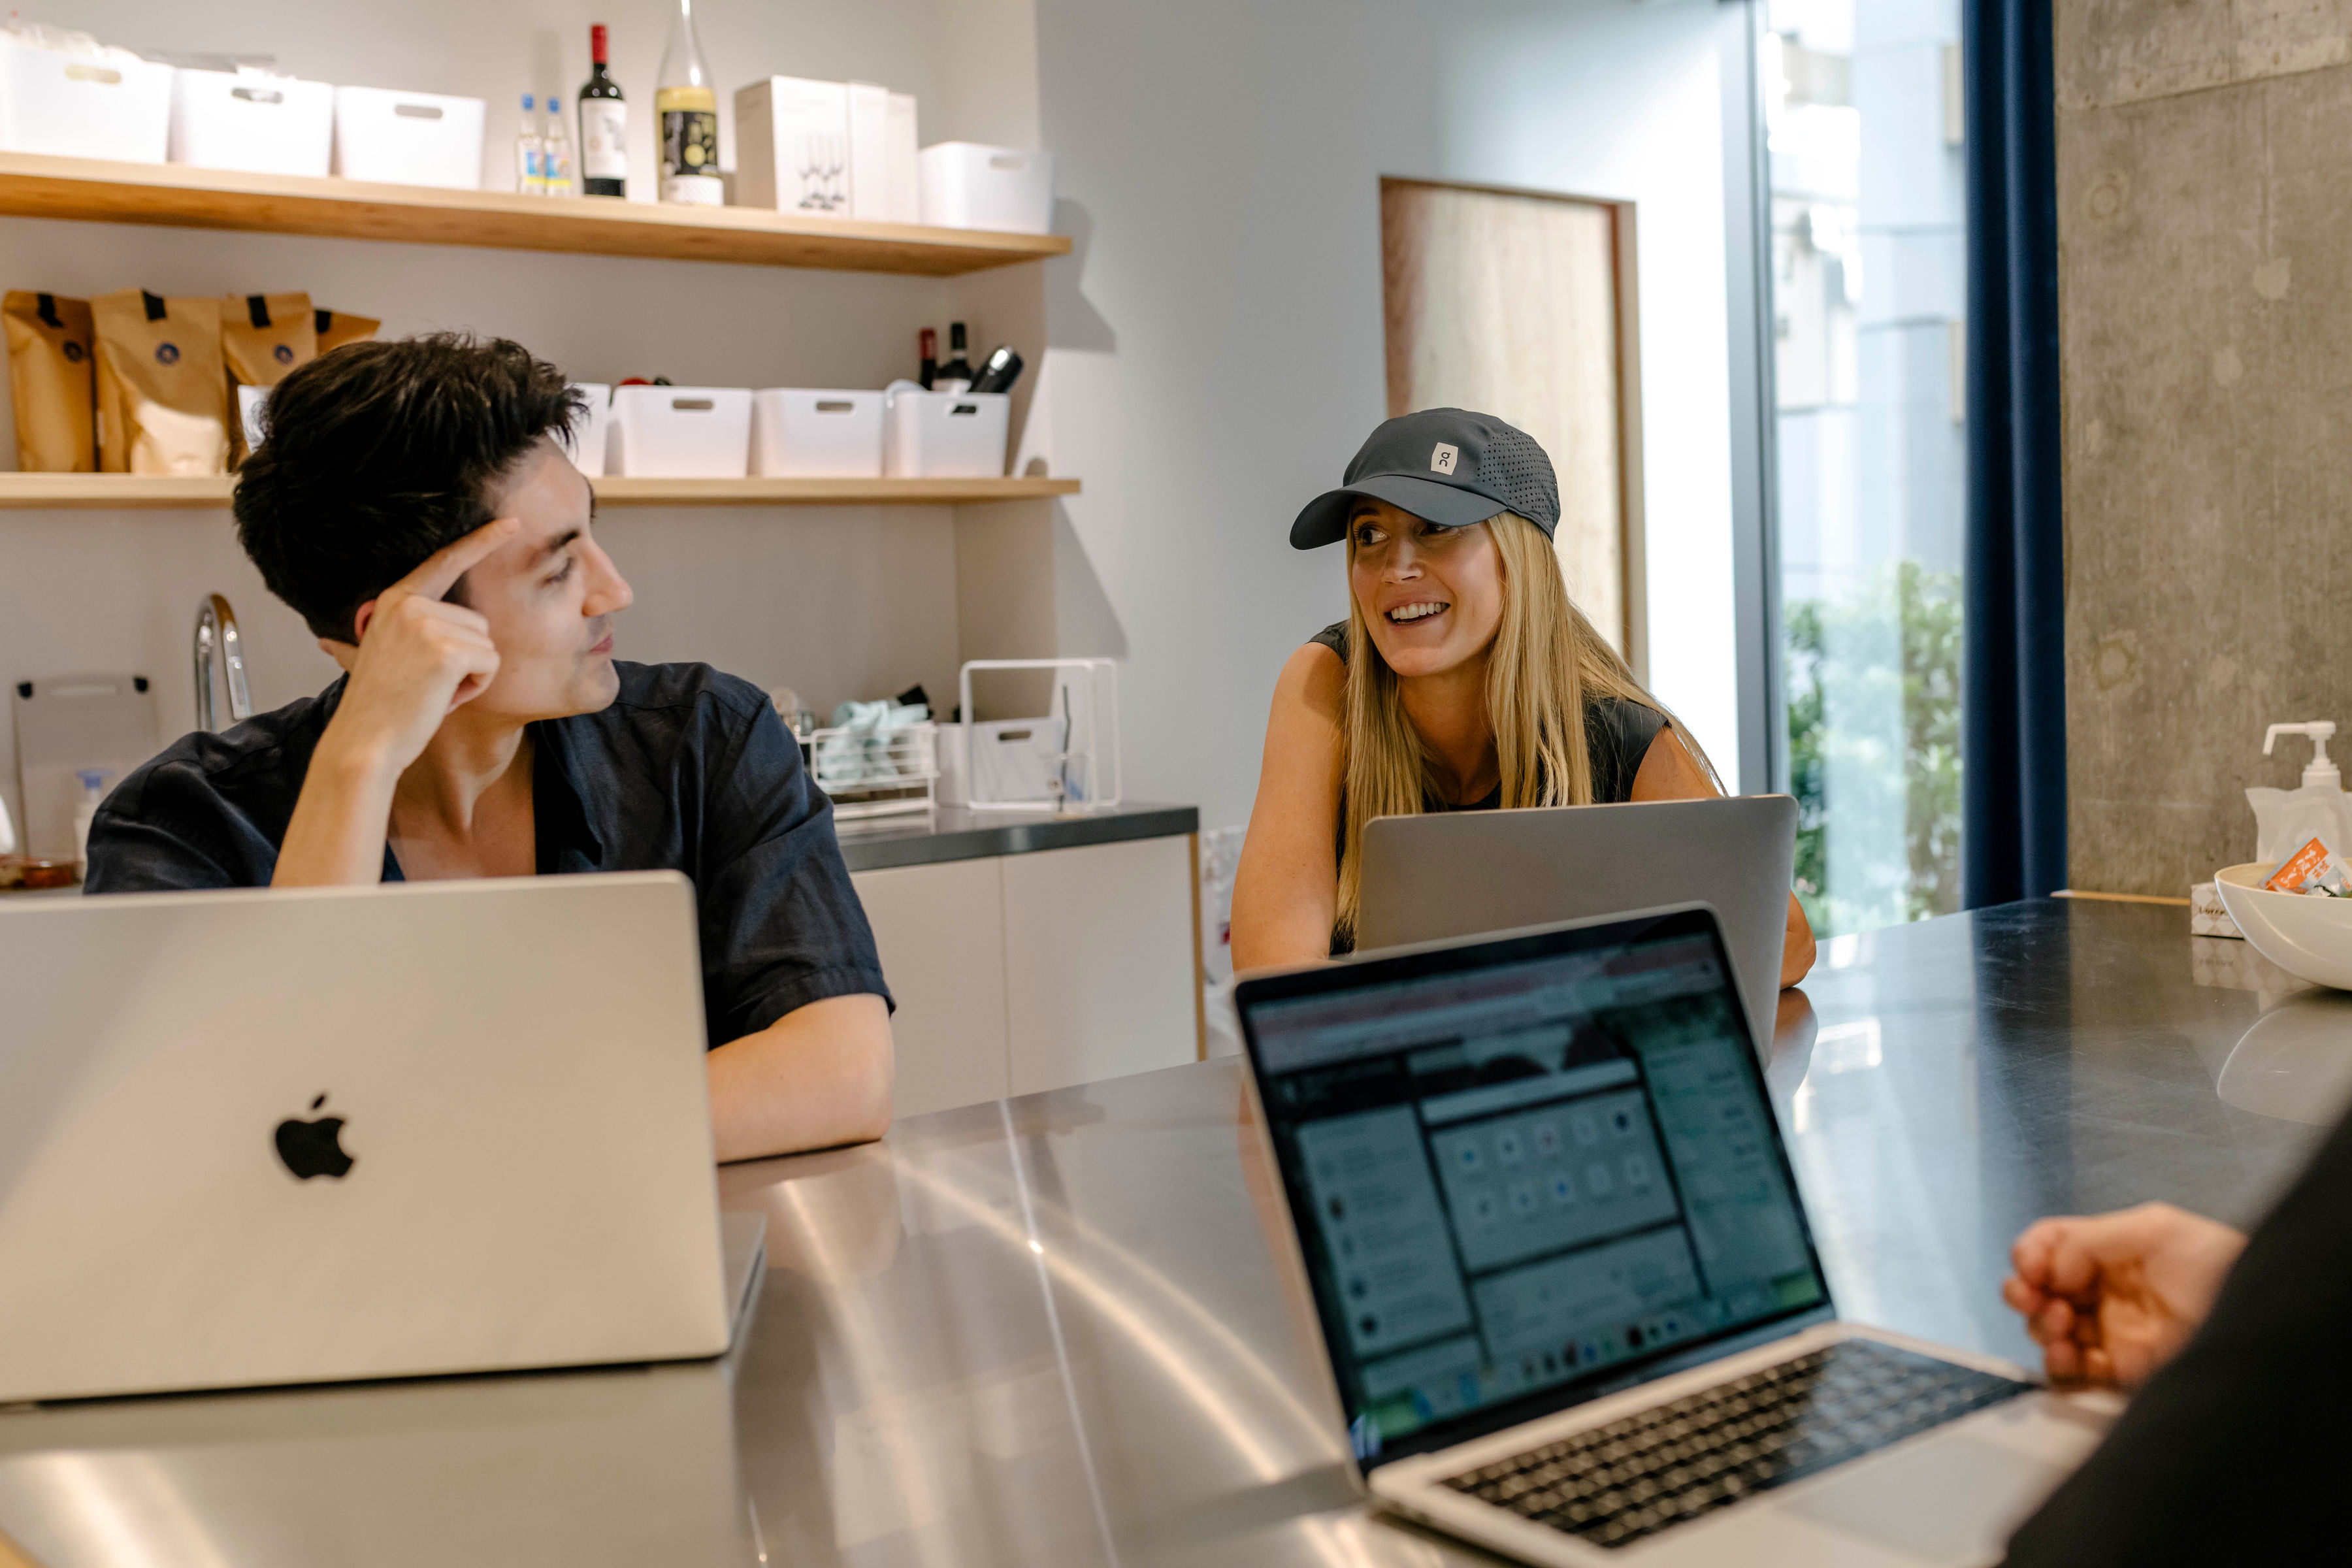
x: 440, y: 571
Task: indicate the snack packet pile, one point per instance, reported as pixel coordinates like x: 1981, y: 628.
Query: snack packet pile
x: 2313, y: 870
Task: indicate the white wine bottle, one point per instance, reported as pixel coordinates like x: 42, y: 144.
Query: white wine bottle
x: 688, y: 107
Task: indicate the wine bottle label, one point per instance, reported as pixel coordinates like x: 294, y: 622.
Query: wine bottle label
x: 604, y: 138
x: 689, y: 141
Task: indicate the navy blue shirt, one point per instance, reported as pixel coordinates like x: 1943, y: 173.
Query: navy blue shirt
x: 688, y: 770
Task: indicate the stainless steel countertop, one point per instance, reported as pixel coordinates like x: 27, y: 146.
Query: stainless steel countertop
x: 1055, y: 1331
x: 958, y: 833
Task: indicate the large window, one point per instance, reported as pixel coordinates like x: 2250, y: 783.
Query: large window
x: 1862, y: 102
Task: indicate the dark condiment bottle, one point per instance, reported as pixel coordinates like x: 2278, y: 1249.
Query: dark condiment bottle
x: 958, y: 368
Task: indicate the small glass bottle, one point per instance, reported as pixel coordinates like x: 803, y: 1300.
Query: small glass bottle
x: 531, y: 169
x: 555, y: 153
x: 687, y: 106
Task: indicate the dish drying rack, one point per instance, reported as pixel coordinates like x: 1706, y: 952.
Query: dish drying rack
x: 876, y: 773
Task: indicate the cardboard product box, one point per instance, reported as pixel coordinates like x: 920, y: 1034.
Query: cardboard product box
x: 869, y: 152
x: 906, y: 163
x: 792, y: 146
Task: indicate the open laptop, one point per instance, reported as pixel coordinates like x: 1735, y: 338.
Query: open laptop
x: 1444, y: 875
x: 258, y: 1137
x: 1566, y: 1284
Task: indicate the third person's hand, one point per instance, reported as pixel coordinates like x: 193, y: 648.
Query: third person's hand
x: 2109, y: 1298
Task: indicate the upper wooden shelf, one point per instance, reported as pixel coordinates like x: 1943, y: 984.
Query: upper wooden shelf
x: 146, y: 492
x: 182, y: 196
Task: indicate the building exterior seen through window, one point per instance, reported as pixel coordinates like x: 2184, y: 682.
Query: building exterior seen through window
x: 1861, y: 101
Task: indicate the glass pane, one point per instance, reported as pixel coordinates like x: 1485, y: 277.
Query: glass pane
x: 1862, y: 104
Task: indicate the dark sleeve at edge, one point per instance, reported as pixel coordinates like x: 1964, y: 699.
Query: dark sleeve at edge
x: 2237, y: 1448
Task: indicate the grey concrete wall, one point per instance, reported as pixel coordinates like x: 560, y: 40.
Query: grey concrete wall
x: 2205, y: 255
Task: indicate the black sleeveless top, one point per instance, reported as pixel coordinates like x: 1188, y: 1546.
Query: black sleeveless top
x: 1616, y: 733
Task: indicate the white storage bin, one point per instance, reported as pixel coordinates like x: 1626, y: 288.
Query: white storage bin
x: 83, y: 106
x: 262, y: 124
x: 408, y: 138
x: 816, y: 435
x: 946, y: 435
x: 682, y: 432
x: 968, y: 185
x: 592, y: 430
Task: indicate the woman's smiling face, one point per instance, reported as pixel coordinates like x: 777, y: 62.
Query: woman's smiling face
x: 1433, y: 595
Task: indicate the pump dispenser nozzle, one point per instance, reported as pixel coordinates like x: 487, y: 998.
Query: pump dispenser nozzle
x: 2321, y: 771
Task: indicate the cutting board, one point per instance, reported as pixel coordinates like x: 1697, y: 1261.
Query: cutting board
x: 66, y: 724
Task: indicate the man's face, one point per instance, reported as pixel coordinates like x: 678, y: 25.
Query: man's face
x: 549, y: 595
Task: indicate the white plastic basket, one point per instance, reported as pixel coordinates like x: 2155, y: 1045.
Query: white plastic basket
x: 876, y: 773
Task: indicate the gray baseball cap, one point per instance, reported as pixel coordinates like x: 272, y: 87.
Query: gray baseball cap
x: 1448, y: 465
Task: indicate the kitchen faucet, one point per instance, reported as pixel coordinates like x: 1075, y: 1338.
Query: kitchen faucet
x: 216, y: 629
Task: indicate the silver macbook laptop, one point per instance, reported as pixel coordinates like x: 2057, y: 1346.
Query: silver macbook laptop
x: 1436, y: 876
x: 253, y: 1138
x: 1566, y: 1287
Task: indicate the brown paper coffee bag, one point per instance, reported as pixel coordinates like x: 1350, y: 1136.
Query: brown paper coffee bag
x: 336, y: 328
x: 263, y: 336
x: 162, y: 392
x: 50, y: 379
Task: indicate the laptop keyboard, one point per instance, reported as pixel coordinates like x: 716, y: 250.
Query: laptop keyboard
x: 1615, y: 1484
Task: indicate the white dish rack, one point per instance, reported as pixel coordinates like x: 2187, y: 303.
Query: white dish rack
x: 876, y: 773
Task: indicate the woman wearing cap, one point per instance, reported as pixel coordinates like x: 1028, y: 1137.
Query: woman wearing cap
x: 1482, y: 686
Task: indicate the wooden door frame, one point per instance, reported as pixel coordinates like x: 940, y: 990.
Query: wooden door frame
x: 1632, y: 548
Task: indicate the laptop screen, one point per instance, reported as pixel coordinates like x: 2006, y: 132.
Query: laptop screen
x: 1522, y: 1171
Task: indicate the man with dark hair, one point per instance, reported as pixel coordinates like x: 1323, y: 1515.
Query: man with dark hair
x: 411, y: 502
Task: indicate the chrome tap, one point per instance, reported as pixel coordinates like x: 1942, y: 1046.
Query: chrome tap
x: 216, y: 630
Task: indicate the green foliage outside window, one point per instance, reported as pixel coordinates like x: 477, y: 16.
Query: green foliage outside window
x: 1898, y: 638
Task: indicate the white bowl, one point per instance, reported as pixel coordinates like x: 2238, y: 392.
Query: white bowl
x: 2309, y: 937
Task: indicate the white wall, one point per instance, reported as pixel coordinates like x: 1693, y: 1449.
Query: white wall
x: 1605, y: 98
x: 1217, y: 350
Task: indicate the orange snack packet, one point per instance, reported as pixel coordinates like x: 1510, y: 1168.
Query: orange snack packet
x: 2300, y: 870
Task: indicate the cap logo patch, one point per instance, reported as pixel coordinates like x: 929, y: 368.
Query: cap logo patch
x: 1440, y: 461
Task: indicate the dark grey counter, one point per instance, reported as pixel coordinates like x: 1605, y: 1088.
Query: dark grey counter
x: 1059, y: 1329
x: 953, y: 833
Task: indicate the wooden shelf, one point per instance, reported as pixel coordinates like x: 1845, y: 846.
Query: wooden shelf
x: 179, y: 196
x: 115, y: 492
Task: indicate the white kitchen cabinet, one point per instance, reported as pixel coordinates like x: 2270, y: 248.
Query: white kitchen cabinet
x: 940, y: 931
x: 1026, y: 971
x: 1098, y: 961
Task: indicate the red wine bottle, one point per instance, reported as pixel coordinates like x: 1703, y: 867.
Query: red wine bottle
x: 603, y: 126
x: 928, y: 341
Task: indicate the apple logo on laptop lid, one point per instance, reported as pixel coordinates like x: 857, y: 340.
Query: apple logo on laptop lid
x: 314, y: 1148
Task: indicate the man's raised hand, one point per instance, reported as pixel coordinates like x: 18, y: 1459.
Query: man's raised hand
x: 418, y: 658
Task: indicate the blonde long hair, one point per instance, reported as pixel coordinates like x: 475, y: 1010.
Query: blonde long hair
x: 1544, y: 666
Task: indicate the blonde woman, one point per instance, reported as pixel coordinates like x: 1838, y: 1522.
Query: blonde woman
x: 1462, y: 680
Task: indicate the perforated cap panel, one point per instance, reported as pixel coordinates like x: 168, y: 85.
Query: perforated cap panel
x: 1448, y: 464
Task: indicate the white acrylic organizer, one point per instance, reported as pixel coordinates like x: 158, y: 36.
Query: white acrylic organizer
x: 1065, y: 750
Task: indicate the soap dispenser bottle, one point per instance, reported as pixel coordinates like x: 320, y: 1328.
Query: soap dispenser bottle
x: 2287, y: 820
x: 93, y: 796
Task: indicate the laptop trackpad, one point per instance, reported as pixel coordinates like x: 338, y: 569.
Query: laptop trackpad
x: 1955, y: 1499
